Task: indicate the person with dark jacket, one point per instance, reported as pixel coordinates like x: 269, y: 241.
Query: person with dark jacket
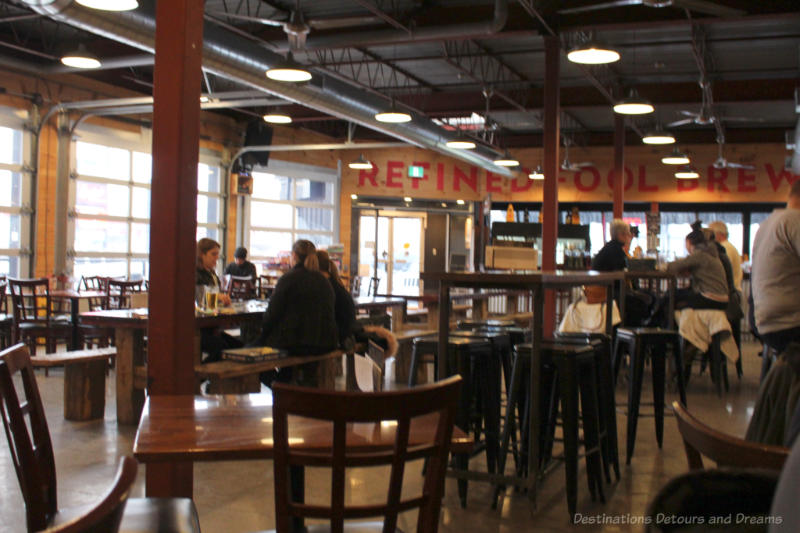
x: 241, y: 267
x: 345, y: 307
x: 301, y: 314
x: 212, y: 340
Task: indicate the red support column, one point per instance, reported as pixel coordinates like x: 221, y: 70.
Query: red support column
x: 552, y: 51
x: 619, y: 165
x: 173, y: 217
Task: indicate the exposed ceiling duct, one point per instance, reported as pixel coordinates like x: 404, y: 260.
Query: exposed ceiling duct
x: 236, y: 58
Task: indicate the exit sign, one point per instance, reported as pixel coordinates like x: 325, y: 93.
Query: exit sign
x: 415, y: 171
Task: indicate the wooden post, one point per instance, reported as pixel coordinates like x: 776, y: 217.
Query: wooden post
x: 173, y: 220
x: 552, y: 51
x: 619, y: 165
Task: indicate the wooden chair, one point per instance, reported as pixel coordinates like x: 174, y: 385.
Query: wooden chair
x: 378, y: 356
x: 355, y: 286
x: 118, y: 293
x: 6, y: 322
x: 92, y: 336
x: 33, y: 315
x: 726, y: 450
x: 106, y: 515
x: 32, y: 455
x: 343, y: 408
x: 266, y: 284
x: 242, y: 288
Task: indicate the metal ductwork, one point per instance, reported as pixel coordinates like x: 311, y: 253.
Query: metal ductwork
x: 236, y: 58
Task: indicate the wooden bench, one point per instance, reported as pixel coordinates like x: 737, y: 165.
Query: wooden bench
x: 233, y: 377
x: 84, y: 380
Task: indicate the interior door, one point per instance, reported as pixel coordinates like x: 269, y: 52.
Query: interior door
x: 393, y: 254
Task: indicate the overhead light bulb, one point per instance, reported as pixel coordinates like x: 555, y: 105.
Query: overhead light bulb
x: 633, y: 105
x: 461, y: 144
x: 687, y: 173
x: 393, y: 116
x: 537, y: 174
x: 592, y: 53
x: 289, y: 71
x: 675, y: 158
x: 81, y: 58
x: 360, y: 163
x: 506, y: 161
x: 658, y: 137
x: 277, y: 118
x: 110, y: 5
x: 407, y: 199
x: 354, y: 197
x: 460, y: 202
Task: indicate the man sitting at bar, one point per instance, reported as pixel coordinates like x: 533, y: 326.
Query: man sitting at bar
x: 612, y: 257
x: 775, y: 282
x: 241, y: 267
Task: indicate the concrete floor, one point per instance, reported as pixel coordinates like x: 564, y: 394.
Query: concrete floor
x: 234, y: 497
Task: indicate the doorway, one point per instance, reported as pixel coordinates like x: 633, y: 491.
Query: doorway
x: 390, y: 250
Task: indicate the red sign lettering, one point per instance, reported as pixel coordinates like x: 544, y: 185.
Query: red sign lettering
x: 643, y: 185
x: 415, y: 181
x: 594, y: 181
x: 717, y: 176
x: 471, y: 180
x: 393, y: 172
x: 366, y: 174
x: 526, y: 182
x: 628, y: 178
x: 492, y: 181
x: 776, y: 179
x: 440, y: 176
x: 746, y: 182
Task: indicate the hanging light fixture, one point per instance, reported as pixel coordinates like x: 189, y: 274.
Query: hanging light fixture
x: 537, y: 174
x: 393, y: 115
x: 110, y: 5
x: 277, y: 117
x: 592, y: 53
x: 687, y: 173
x: 675, y: 158
x: 360, y: 163
x: 658, y: 136
x: 81, y: 58
x: 461, y: 142
x: 289, y: 71
x: 506, y: 161
x: 633, y: 105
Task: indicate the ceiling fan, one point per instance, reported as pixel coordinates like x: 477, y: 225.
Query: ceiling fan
x: 699, y: 6
x: 297, y: 27
x: 721, y: 162
x: 572, y: 167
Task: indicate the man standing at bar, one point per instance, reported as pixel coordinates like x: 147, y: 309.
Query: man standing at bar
x: 775, y: 279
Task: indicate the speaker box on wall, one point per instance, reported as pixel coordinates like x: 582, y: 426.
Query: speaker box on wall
x: 257, y: 134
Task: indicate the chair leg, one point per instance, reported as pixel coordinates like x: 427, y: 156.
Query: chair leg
x: 590, y: 415
x: 569, y: 416
x: 509, y: 427
x: 678, y: 359
x: 412, y: 371
x: 659, y: 376
x: 634, y: 397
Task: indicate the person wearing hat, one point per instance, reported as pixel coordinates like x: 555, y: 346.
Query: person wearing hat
x: 241, y: 267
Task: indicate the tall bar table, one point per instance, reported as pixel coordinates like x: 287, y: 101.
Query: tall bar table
x: 535, y: 282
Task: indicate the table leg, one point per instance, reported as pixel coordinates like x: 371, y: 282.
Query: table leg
x: 537, y: 328
x: 397, y: 318
x: 444, y: 329
x: 433, y: 315
x: 130, y: 355
x: 75, y: 341
x: 173, y: 480
x: 671, y: 305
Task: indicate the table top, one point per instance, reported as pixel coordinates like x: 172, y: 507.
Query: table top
x: 649, y: 274
x: 524, y: 278
x: 238, y: 427
x: 364, y: 302
x: 137, y: 318
x: 72, y: 293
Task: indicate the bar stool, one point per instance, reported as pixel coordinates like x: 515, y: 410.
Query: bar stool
x: 640, y: 342
x: 601, y: 343
x: 568, y: 373
x: 501, y: 346
x: 717, y: 362
x: 473, y: 359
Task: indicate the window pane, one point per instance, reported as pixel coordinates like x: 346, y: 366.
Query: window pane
x: 101, y: 199
x: 10, y: 188
x: 316, y: 218
x: 270, y: 187
x: 208, y: 209
x: 9, y: 266
x: 9, y: 230
x: 318, y: 240
x: 211, y: 233
x: 10, y: 146
x: 140, y: 269
x: 103, y: 161
x: 142, y: 167
x: 140, y: 238
x: 269, y: 243
x: 100, y: 236
x: 268, y: 215
x: 141, y: 202
x: 314, y: 191
x: 207, y: 178
x: 95, y: 266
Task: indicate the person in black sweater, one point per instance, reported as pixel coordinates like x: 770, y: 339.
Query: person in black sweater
x: 345, y: 308
x: 241, y: 267
x: 212, y: 340
x: 301, y: 314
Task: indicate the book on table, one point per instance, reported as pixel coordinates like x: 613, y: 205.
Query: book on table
x: 253, y: 355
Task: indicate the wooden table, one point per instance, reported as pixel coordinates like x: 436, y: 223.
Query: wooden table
x: 74, y: 298
x: 378, y: 303
x: 130, y: 327
x: 535, y: 282
x: 239, y: 427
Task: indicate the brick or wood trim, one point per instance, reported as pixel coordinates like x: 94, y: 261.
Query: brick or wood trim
x: 85, y: 389
x: 75, y: 356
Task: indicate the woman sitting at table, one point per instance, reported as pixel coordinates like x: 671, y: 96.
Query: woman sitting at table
x: 212, y: 340
x: 301, y: 315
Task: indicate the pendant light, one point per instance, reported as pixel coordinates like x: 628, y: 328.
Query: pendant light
x: 393, y: 115
x: 592, y: 53
x: 506, y: 161
x: 360, y: 163
x: 81, y: 58
x: 658, y: 136
x: 675, y: 158
x: 633, y: 105
x: 109, y: 5
x: 687, y: 173
x: 289, y: 71
x: 461, y: 142
x: 276, y: 116
x: 537, y: 174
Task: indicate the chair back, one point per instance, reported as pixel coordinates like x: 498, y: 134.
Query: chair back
x: 355, y: 286
x: 106, y: 515
x: 241, y: 288
x: 726, y: 450
x: 342, y: 409
x: 118, y: 293
x: 95, y: 283
x: 30, y: 300
x: 28, y: 437
x: 377, y: 355
x: 3, y: 298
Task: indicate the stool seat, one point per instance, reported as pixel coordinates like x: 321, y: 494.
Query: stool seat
x: 491, y: 323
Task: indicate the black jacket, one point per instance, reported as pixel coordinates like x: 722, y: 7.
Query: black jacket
x: 610, y: 258
x: 301, y: 317
x: 345, y: 312
x: 206, y: 277
x: 245, y: 270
